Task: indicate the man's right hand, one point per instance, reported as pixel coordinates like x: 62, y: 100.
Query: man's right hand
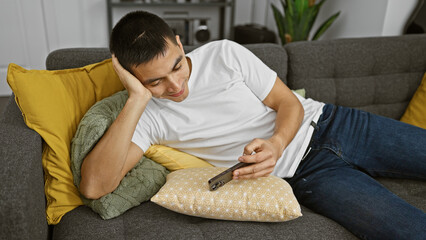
x: 134, y: 87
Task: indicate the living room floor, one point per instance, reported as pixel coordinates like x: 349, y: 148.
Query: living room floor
x: 3, y: 102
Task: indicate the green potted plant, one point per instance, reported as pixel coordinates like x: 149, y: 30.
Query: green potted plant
x: 298, y: 18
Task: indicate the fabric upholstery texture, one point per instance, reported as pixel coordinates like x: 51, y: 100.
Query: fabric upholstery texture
x: 173, y: 159
x: 266, y: 199
x: 150, y: 221
x: 52, y: 103
x: 378, y: 75
x: 12, y: 115
x: 138, y: 186
x: 23, y: 198
x: 75, y: 57
x: 415, y: 113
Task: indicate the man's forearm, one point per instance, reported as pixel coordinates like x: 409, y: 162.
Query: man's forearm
x: 287, y: 123
x: 108, y: 162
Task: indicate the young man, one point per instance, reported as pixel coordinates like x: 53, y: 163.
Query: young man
x: 222, y: 104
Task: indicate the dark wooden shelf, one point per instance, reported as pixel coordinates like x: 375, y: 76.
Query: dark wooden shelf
x: 222, y: 5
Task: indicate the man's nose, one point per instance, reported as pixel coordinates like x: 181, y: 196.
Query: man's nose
x: 174, y: 85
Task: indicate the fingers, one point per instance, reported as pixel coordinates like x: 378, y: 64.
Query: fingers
x: 117, y: 66
x: 251, y: 172
x: 252, y: 146
x: 129, y: 81
x: 115, y: 63
x: 260, y: 153
x: 256, y: 157
x: 261, y: 166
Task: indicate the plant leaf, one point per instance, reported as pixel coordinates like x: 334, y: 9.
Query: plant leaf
x: 305, y: 23
x: 301, y: 6
x: 279, y: 20
x: 320, y: 3
x: 315, y: 10
x: 288, y: 6
x: 299, y: 16
x: 290, y: 20
x: 325, y: 26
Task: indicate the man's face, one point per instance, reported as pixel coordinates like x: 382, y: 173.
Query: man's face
x: 166, y: 76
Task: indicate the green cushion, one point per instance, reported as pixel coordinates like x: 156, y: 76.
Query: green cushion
x: 301, y: 92
x: 139, y: 185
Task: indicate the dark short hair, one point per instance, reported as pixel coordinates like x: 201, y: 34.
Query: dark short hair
x: 139, y: 37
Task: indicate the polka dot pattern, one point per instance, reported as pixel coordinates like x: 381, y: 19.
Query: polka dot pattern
x: 266, y: 199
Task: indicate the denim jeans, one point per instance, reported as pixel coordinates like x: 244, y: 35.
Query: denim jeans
x: 348, y: 148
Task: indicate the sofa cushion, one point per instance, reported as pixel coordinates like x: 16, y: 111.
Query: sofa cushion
x: 151, y: 221
x: 52, y: 103
x: 155, y: 222
x: 416, y: 110
x: 22, y: 200
x: 379, y: 75
x: 265, y: 199
x: 173, y: 159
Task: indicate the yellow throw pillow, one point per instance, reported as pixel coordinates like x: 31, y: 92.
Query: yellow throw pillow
x: 53, y: 103
x: 415, y: 113
x: 173, y: 159
x: 266, y: 199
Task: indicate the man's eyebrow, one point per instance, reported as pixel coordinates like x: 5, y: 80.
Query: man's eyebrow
x: 146, y: 82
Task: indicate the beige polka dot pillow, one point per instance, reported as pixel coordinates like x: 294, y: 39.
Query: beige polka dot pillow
x: 266, y: 199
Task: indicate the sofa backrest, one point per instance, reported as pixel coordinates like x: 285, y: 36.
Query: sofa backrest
x: 379, y: 75
x: 271, y: 54
x: 75, y: 57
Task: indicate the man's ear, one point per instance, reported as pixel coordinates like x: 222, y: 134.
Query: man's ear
x: 179, y: 43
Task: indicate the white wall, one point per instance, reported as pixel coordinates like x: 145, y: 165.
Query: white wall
x: 398, y: 13
x: 22, y: 39
x: 359, y: 18
x: 30, y: 29
x: 75, y: 23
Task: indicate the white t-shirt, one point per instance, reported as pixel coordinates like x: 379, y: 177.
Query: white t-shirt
x: 223, y: 111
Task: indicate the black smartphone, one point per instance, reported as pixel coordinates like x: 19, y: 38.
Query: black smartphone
x: 224, y: 177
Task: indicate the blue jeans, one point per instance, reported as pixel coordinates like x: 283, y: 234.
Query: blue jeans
x: 348, y: 148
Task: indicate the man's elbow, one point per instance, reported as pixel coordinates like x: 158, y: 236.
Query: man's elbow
x: 93, y: 191
x: 88, y: 192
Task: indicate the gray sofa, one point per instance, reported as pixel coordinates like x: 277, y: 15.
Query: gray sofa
x: 378, y: 75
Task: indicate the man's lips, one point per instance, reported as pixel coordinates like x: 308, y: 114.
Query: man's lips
x: 179, y: 93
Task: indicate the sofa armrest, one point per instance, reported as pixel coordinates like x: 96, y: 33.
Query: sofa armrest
x: 22, y: 205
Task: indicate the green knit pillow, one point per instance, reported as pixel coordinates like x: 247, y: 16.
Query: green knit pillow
x: 139, y: 185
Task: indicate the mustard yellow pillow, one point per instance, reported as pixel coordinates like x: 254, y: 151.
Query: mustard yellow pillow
x: 415, y: 113
x: 173, y: 159
x: 53, y: 103
x: 266, y: 199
